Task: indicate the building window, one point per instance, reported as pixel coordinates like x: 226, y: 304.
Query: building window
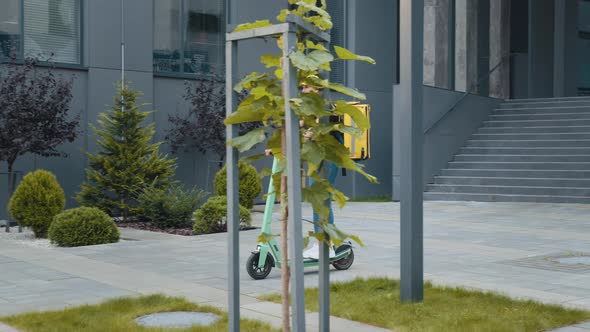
x: 10, y: 28
x: 188, y: 36
x: 49, y: 31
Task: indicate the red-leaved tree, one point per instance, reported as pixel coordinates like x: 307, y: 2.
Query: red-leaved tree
x: 34, y: 112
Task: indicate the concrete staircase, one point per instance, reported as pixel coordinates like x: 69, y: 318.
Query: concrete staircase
x: 533, y: 150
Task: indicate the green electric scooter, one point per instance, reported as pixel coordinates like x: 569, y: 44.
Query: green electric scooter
x: 268, y: 255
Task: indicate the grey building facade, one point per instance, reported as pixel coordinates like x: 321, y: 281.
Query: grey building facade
x: 537, y: 48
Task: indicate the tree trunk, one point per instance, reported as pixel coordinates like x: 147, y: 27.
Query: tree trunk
x: 9, y: 194
x: 124, y: 210
x: 284, y: 245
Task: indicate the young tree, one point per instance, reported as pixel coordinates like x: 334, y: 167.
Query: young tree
x: 265, y: 104
x: 34, y: 113
x: 202, y: 127
x: 127, y: 162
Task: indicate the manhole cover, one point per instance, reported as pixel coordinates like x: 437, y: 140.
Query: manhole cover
x: 574, y: 260
x: 179, y: 319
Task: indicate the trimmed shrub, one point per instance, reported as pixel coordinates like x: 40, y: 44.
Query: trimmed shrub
x: 169, y: 208
x: 212, y: 216
x: 83, y: 226
x: 250, y: 185
x: 36, y: 200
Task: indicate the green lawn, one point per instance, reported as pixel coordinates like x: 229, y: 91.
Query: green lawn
x: 376, y: 302
x: 118, y: 315
x: 372, y: 199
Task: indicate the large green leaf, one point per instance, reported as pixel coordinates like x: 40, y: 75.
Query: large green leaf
x: 321, y: 19
x: 354, y: 93
x: 326, y: 128
x: 265, y: 237
x: 282, y: 17
x: 357, y: 116
x: 338, y: 196
x: 250, y: 110
x: 311, y: 45
x: 317, y: 196
x: 340, y: 155
x: 247, y: 141
x: 345, y: 54
x: 274, y: 142
x: 310, y: 104
x: 253, y: 25
x: 338, y: 236
x: 252, y: 158
x: 271, y: 60
x: 247, y: 81
x: 259, y: 92
x: 313, y: 61
x: 313, y: 152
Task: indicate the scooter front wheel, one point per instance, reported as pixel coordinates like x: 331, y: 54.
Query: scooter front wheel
x: 346, y: 262
x: 256, y: 272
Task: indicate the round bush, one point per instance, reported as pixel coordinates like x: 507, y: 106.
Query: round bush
x: 173, y: 207
x: 83, y: 226
x: 36, y: 201
x: 250, y: 185
x: 212, y: 216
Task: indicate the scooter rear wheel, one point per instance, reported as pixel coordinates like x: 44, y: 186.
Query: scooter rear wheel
x: 346, y: 262
x: 256, y: 272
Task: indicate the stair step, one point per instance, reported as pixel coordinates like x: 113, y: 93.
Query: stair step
x: 538, y: 123
x: 566, y: 143
x: 519, y: 165
x: 539, y: 116
x: 509, y: 190
x: 526, y: 130
x: 502, y: 181
x: 541, y: 110
x: 553, y: 103
x: 522, y: 158
x: 517, y: 173
x: 435, y: 196
x: 554, y: 151
x: 533, y: 136
x: 527, y: 151
x: 521, y: 100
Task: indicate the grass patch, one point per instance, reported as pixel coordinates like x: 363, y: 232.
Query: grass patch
x: 372, y: 199
x: 118, y: 315
x: 376, y: 302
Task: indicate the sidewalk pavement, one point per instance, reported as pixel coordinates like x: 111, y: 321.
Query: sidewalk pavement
x: 504, y: 247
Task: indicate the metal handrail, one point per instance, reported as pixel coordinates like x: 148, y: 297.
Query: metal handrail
x: 472, y: 87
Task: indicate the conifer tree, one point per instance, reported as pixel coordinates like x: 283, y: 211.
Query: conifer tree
x: 126, y: 161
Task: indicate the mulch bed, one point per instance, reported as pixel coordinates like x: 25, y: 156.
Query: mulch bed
x: 188, y: 231
x: 146, y: 226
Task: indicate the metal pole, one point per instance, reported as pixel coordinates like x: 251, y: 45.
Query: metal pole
x: 233, y: 212
x: 122, y: 41
x: 293, y: 186
x: 411, y: 212
x: 324, y: 259
x: 122, y: 52
x: 324, y: 287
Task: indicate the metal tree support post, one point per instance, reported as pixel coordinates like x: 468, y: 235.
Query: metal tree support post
x: 411, y: 211
x: 233, y: 199
x: 293, y: 185
x: 289, y: 32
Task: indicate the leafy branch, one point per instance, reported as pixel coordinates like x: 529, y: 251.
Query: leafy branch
x: 265, y: 104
